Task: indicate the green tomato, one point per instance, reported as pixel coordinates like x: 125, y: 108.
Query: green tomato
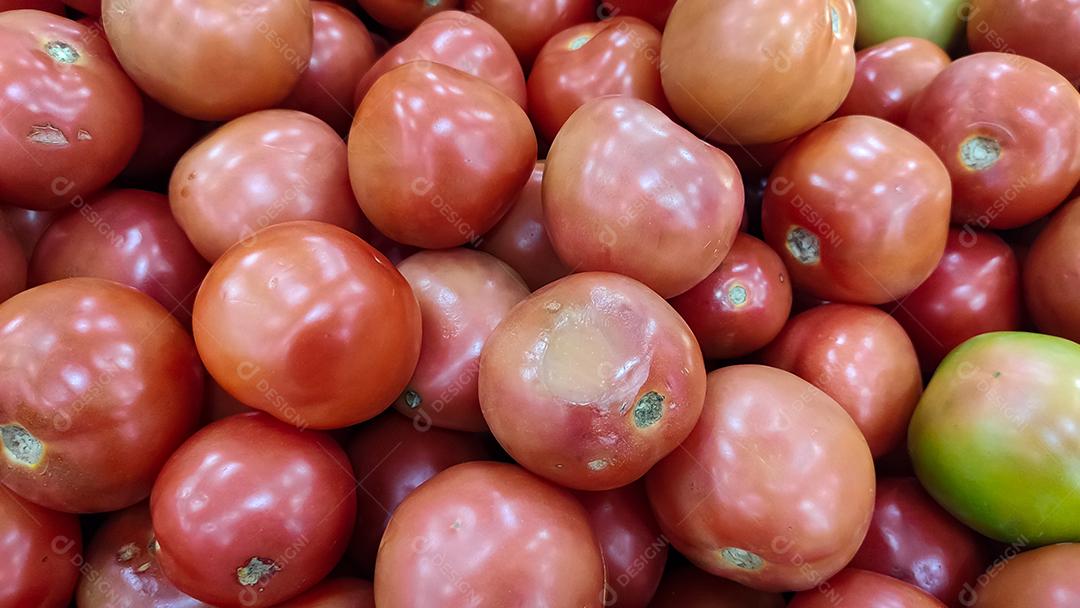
x: 995, y: 438
x: 939, y: 21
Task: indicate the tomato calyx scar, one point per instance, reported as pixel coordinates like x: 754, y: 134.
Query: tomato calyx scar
x: 21, y: 446
x: 741, y: 558
x: 61, y: 51
x: 257, y: 569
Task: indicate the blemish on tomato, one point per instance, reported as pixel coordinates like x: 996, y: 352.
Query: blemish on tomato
x: 21, y: 446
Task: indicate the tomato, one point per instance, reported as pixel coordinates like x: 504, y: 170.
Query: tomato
x: 528, y: 24
x: 1008, y: 130
x: 774, y: 488
x: 12, y: 261
x: 166, y: 135
x: 858, y: 210
x: 1045, y: 578
x: 28, y: 225
x: 128, y: 236
x: 864, y: 588
x: 889, y: 75
x: 98, y: 385
x: 40, y: 554
x: 939, y: 21
x: 489, y: 534
x: 310, y: 324
x: 742, y: 305
x: 342, y: 52
x: 620, y: 56
x: 520, y: 238
x: 627, y: 190
x: 862, y: 358
x: 69, y: 117
x: 591, y: 381
x: 633, y: 548
x: 685, y: 586
x: 404, y: 15
x: 974, y: 290
x: 458, y: 40
x: 436, y: 156
x: 1027, y: 27
x: 273, y: 166
x: 336, y: 593
x: 654, y: 11
x: 913, y: 539
x: 236, y: 57
x: 1051, y: 274
x: 463, y: 296
x: 1012, y: 476
x: 787, y: 65
x: 392, y: 455
x: 251, y: 511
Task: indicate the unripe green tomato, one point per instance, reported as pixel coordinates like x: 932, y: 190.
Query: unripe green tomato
x: 939, y: 21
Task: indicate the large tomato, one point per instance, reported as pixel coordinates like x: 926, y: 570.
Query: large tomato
x: 628, y: 190
x: 775, y: 486
x: 591, y: 380
x: 786, y: 66
x: 69, y: 117
x: 939, y: 21
x: 1032, y: 28
x: 864, y: 588
x: 489, y: 534
x: 859, y: 211
x: 990, y: 438
x: 528, y: 24
x: 1052, y: 275
x: 40, y: 554
x: 685, y: 586
x: 98, y: 385
x: 889, y: 75
x: 1043, y: 578
x: 309, y: 323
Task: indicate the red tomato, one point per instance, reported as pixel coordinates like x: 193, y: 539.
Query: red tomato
x: 1043, y: 578
x: 128, y: 236
x: 858, y: 210
x: 1052, y: 274
x: 654, y: 11
x: 310, y: 324
x: 251, y: 511
x: 436, y: 156
x: 627, y: 190
x: 69, y: 117
x: 862, y: 588
x: 591, y: 381
x: 342, y: 52
x: 272, y: 166
x: 859, y: 356
x: 774, y: 488
x: 336, y: 593
x: 528, y: 24
x: 742, y: 305
x: 489, y: 534
x: 1008, y: 130
x: 40, y: 554
x: 404, y: 15
x: 889, y: 75
x: 787, y: 66
x: 12, y: 261
x: 634, y: 550
x: 28, y: 225
x: 974, y: 290
x: 236, y: 57
x: 620, y: 56
x: 685, y: 586
x: 1032, y: 28
x: 98, y: 386
x: 392, y: 455
x: 166, y: 135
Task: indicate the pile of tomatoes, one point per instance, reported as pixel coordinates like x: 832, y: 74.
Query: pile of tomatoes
x: 540, y: 303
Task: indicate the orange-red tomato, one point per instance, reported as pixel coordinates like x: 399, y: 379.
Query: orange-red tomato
x: 865, y: 588
x: 1032, y: 28
x: 889, y: 75
x: 528, y: 24
x: 335, y: 593
x: 1052, y: 273
x: 1044, y: 577
x: 40, y: 554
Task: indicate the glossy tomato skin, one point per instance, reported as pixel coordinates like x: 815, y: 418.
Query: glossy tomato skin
x: 336, y: 593
x: 69, y: 117
x: 974, y: 290
x: 528, y: 25
x: 461, y: 41
x: 620, y: 56
x: 272, y: 166
x: 436, y: 156
x: 489, y: 523
x: 28, y: 225
x: 655, y: 12
x: 913, y: 539
x: 98, y: 385
x: 742, y: 305
x: 141, y: 246
x: 13, y: 261
x: 1043, y: 577
x: 166, y: 135
x: 1011, y: 476
x: 743, y: 497
x: 404, y: 15
x: 520, y: 238
x: 40, y: 554
x: 889, y: 75
x: 392, y: 455
x: 237, y: 57
x: 1029, y: 28
x: 463, y: 296
x: 1008, y: 130
x: 797, y: 55
x: 865, y: 588
x: 591, y: 381
x: 862, y: 358
x: 685, y: 586
x: 123, y: 558
x: 858, y: 210
x: 627, y: 190
x: 1052, y: 272
x: 342, y: 52
x: 310, y: 324
x: 939, y: 21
